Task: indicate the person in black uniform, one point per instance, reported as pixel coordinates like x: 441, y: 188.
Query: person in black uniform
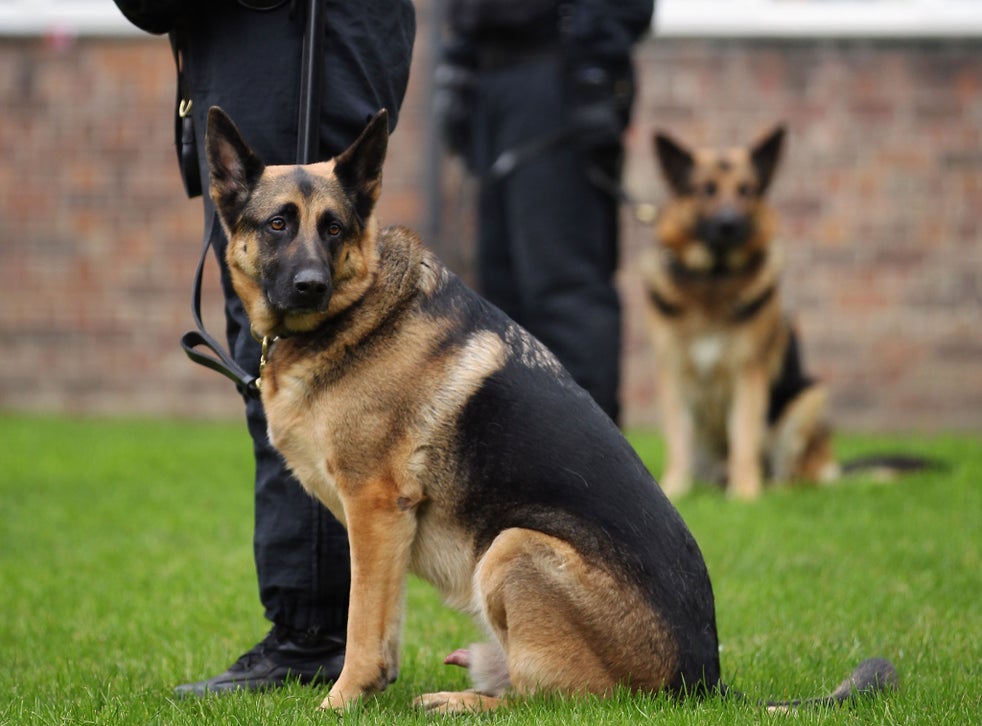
x: 245, y: 56
x: 535, y: 96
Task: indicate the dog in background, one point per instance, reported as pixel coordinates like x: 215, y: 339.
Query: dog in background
x: 736, y: 405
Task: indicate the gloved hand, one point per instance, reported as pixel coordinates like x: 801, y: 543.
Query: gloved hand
x: 598, y: 102
x: 453, y: 98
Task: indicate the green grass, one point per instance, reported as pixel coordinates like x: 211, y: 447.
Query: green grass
x: 126, y: 568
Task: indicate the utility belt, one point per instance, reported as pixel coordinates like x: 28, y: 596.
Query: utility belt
x: 503, y: 41
x: 499, y: 56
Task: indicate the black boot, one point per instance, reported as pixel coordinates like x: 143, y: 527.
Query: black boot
x: 283, y: 655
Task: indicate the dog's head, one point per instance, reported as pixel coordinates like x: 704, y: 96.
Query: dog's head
x: 717, y: 219
x: 302, y: 239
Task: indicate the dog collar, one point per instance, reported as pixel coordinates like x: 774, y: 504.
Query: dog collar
x: 267, y: 342
x: 747, y: 310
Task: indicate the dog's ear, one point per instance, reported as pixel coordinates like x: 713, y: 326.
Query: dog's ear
x: 676, y: 163
x: 234, y: 167
x: 765, y: 156
x: 359, y: 167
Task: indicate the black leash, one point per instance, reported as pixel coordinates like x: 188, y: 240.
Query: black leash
x: 220, y: 360
x: 644, y: 212
x: 311, y: 62
x: 308, y: 140
x: 511, y: 159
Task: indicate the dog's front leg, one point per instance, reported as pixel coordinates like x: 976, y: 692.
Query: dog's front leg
x: 746, y: 432
x: 381, y: 528
x: 677, y: 427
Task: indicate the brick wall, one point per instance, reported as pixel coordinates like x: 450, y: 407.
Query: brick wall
x: 881, y: 201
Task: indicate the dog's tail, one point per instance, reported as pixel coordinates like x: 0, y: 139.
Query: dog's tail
x: 887, y: 467
x: 871, y: 676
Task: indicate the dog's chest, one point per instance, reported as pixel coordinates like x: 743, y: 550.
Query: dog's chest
x: 300, y: 434
x: 706, y: 351
x: 709, y: 351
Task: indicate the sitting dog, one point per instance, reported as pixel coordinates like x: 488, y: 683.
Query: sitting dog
x: 735, y: 403
x: 452, y: 444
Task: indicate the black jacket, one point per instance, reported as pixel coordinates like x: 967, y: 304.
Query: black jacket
x: 591, y: 32
x: 248, y: 62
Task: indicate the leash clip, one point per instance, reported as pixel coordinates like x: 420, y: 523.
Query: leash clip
x: 645, y: 213
x: 263, y: 357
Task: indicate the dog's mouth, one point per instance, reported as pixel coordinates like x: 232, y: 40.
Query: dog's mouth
x: 705, y: 260
x: 725, y: 232
x: 296, y: 308
x: 292, y: 320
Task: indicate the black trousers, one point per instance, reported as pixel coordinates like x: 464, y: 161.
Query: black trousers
x: 547, y: 236
x: 248, y: 62
x: 301, y: 550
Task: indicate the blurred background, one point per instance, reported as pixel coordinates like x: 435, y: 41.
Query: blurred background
x: 880, y: 197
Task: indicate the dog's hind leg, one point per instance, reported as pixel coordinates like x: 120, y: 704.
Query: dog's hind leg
x: 489, y: 672
x: 801, y: 440
x: 563, y: 624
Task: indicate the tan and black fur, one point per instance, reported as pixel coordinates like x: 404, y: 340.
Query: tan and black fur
x: 736, y: 406
x: 453, y: 445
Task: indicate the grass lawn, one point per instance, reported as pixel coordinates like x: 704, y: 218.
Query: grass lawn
x: 126, y: 568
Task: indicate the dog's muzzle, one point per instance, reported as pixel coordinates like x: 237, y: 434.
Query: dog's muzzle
x: 725, y: 230
x: 307, y: 290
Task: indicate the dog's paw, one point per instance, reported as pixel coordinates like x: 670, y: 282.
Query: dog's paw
x: 745, y: 489
x: 456, y: 702
x: 675, y: 484
x: 342, y: 697
x: 339, y: 701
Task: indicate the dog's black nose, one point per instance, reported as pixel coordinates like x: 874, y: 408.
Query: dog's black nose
x: 725, y: 230
x: 310, y: 283
x: 729, y: 228
x: 311, y: 289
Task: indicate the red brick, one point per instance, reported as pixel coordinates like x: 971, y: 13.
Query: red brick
x: 879, y: 194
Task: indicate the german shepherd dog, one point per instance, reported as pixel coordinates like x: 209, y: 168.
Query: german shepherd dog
x: 452, y: 444
x: 736, y: 406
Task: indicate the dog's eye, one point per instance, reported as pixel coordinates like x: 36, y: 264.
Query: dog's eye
x: 277, y: 224
x: 334, y: 229
x: 709, y: 189
x: 745, y: 189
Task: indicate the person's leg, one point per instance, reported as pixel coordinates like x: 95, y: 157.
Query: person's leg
x: 494, y: 271
x: 561, y: 234
x: 301, y: 552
